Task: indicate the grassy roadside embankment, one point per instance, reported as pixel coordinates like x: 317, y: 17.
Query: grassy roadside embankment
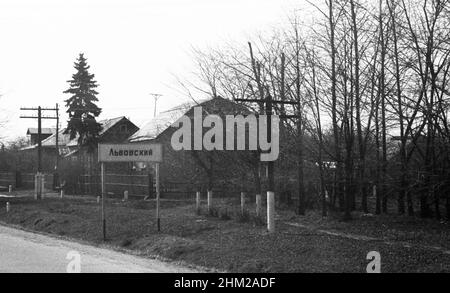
x: 235, y: 244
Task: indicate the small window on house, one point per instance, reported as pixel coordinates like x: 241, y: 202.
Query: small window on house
x: 123, y: 128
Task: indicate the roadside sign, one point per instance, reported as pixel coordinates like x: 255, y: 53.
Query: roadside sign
x: 116, y: 153
x: 130, y: 153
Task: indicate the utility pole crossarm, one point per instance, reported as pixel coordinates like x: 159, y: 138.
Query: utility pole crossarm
x: 39, y: 117
x: 289, y: 117
x: 265, y: 101
x: 36, y: 109
x: 271, y: 102
x: 36, y: 117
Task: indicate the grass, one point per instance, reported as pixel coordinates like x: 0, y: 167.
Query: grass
x: 227, y: 243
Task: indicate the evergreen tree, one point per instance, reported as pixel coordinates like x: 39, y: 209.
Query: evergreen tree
x: 81, y: 106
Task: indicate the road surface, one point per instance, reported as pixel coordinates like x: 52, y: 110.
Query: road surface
x: 26, y: 252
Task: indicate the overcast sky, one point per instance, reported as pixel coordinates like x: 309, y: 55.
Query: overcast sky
x: 134, y: 48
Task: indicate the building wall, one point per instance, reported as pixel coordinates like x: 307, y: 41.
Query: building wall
x: 34, y: 138
x: 230, y: 173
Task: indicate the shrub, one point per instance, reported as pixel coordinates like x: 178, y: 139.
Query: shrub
x: 244, y: 216
x: 198, y: 211
x: 224, y: 215
x: 70, y: 172
x: 213, y: 212
x: 126, y: 242
x: 258, y: 221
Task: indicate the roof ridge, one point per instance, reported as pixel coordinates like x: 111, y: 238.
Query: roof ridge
x: 154, y: 127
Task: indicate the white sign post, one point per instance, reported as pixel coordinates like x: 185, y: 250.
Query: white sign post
x: 103, y: 200
x: 114, y: 153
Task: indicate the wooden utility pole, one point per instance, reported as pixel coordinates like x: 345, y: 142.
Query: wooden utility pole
x: 269, y: 102
x: 270, y: 164
x: 56, y: 173
x: 39, y: 117
x: 270, y: 172
x: 57, y: 138
x: 39, y: 139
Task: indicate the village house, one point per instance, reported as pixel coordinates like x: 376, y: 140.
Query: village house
x: 78, y: 167
x: 182, y: 172
x: 32, y: 134
x: 115, y: 130
x: 186, y: 171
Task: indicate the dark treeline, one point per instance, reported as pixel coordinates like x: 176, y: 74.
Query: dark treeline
x: 371, y: 82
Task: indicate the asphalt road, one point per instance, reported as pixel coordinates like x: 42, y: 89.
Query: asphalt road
x: 25, y: 252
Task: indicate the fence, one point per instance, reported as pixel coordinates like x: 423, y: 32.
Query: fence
x: 136, y: 185
x: 116, y: 184
x: 143, y: 185
x: 8, y: 178
x: 23, y: 180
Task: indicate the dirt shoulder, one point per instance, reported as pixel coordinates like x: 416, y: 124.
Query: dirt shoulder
x: 30, y: 252
x: 228, y: 242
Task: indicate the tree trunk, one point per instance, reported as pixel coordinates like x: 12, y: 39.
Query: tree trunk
x: 403, y: 138
x: 437, y: 210
x: 301, y: 188
x: 447, y: 206
x: 337, y: 152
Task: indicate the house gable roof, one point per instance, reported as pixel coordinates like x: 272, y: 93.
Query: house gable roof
x: 106, y: 124
x: 65, y: 141
x: 32, y: 131
x: 160, y: 123
x: 156, y: 126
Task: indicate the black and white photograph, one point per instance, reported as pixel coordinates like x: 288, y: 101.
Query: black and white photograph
x: 224, y: 144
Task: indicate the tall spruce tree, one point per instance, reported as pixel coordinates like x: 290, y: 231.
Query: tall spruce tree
x: 81, y: 106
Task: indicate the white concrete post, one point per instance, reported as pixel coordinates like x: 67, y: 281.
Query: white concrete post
x: 36, y: 188
x: 271, y: 211
x: 61, y: 193
x: 7, y: 207
x: 197, y: 202
x: 210, y: 200
x: 242, y: 203
x: 125, y: 195
x: 98, y: 199
x: 42, y: 185
x: 258, y: 205
x: 10, y: 189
